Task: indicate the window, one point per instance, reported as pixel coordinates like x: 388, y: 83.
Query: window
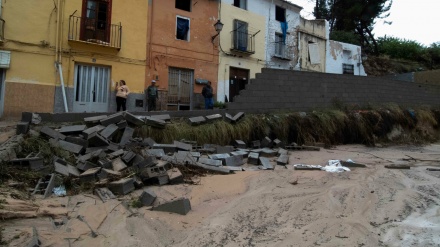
x: 183, y: 5
x: 279, y: 45
x: 314, y: 57
x: 91, y: 92
x: 240, y: 35
x: 240, y: 4
x: 280, y: 14
x: 96, y: 21
x: 348, y: 69
x: 182, y: 28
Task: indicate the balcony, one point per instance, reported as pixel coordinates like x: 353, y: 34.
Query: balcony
x: 95, y: 31
x: 282, y: 51
x: 243, y: 42
x: 2, y: 30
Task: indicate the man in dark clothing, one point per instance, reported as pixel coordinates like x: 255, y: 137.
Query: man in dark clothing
x: 208, y: 93
x: 152, y: 95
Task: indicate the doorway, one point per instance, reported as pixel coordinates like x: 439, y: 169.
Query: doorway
x: 180, y: 88
x: 91, y: 91
x: 238, y: 79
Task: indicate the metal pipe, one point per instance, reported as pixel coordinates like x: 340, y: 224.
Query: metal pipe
x: 60, y: 39
x: 57, y: 31
x: 60, y: 70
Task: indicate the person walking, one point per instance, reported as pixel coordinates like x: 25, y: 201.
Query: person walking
x: 208, y: 93
x: 122, y: 92
x: 152, y: 96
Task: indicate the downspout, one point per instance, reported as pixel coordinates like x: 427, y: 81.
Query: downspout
x: 1, y: 8
x: 60, y: 70
x: 58, y: 55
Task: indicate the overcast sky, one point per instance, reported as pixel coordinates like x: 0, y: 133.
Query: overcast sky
x: 413, y: 20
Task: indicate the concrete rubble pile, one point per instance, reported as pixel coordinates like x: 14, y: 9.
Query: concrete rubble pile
x: 110, y: 157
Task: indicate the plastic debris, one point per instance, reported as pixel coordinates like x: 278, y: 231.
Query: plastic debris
x: 335, y: 166
x: 59, y: 191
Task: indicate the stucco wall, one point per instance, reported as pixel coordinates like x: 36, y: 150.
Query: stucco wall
x: 315, y: 31
x: 336, y: 57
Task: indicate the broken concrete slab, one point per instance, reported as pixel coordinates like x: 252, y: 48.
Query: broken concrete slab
x: 282, y: 151
x: 210, y: 162
x: 229, y: 118
x: 108, y: 173
x: 239, y: 144
x: 77, y: 140
x: 128, y: 157
x: 35, y: 240
x: 133, y: 119
x: 238, y: 117
x: 84, y: 166
x: 182, y: 146
x: 22, y: 128
x: 33, y: 161
x: 122, y: 186
x: 147, y: 197
x: 155, y: 122
x: 180, y: 206
x: 71, y: 147
x: 266, y: 142
x: 95, y: 119
x: 154, y: 174
x: 113, y: 119
x: 105, y: 194
x: 234, y: 168
x: 234, y: 161
x: 265, y: 162
x: 164, y: 117
x: 278, y: 143
x: 96, y: 140
x: 351, y: 164
x: 197, y: 120
x: 253, y: 158
x: 92, y: 130
x: 72, y: 129
x: 148, y: 141
x: 158, y: 153
x: 306, y: 167
x: 64, y: 168
x: 256, y: 144
x: 267, y: 152
x: 109, y: 131
x: 240, y: 152
x: 105, y: 163
x: 45, y: 185
x: 184, y: 157
x: 51, y: 133
x: 433, y: 169
x: 115, y: 154
x: 224, y: 149
x: 213, y: 117
x: 398, y: 167
x: 167, y: 148
x: 283, y: 160
x: 122, y: 124
x: 118, y: 165
x: 219, y: 156
x: 175, y: 176
x: 126, y: 136
x: 90, y: 175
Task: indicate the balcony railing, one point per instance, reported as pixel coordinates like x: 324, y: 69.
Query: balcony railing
x: 283, y: 51
x: 243, y: 42
x: 2, y: 29
x: 95, y: 31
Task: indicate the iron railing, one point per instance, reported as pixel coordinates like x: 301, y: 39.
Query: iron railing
x: 2, y: 29
x: 243, y: 42
x: 95, y: 31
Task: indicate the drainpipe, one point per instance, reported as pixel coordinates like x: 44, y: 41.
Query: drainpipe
x: 63, y: 90
x: 57, y: 31
x: 1, y: 8
x: 58, y: 55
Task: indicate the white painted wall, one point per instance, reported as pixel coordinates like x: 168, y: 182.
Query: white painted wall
x: 339, y: 53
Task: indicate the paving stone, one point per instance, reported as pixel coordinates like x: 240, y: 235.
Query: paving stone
x: 182, y: 146
x: 175, y: 176
x: 167, y: 148
x: 77, y: 140
x: 122, y: 124
x: 92, y: 130
x: 224, y: 149
x: 266, y: 142
x: 234, y: 161
x: 90, y: 175
x: 253, y: 158
x: 240, y: 152
x: 240, y: 144
x: 109, y: 131
x: 72, y: 129
x: 267, y: 152
x: 112, y: 119
x: 51, y: 133
x: 71, y: 147
x: 118, y: 165
x: 155, y: 122
x: 33, y: 161
x: 265, y: 162
x: 283, y: 160
x: 213, y: 117
x: 95, y: 119
x: 210, y: 162
x: 105, y: 194
x: 22, y: 128
x: 150, y: 142
x: 128, y: 157
x: 218, y: 156
x: 133, y: 119
x: 277, y: 143
x: 180, y: 206
x: 158, y: 153
x: 126, y: 136
x: 122, y: 186
x: 147, y: 197
x: 84, y: 166
x: 197, y: 120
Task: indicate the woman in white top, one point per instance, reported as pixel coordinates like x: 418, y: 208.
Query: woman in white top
x: 122, y: 92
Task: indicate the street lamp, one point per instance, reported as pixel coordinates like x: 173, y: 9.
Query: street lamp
x: 218, y: 28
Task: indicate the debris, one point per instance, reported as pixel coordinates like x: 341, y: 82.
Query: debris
x: 335, y: 166
x: 283, y: 160
x: 167, y: 148
x: 122, y: 186
x: 294, y: 146
x: 72, y: 129
x: 234, y: 160
x: 71, y: 147
x: 35, y: 241
x: 180, y: 206
x: 265, y: 162
x: 105, y: 194
x: 51, y: 133
x: 45, y: 185
x: 33, y: 161
x: 59, y: 191
x: 213, y: 117
x: 398, y: 167
x: 175, y: 176
x: 266, y: 142
x: 433, y: 169
x: 22, y: 128
x: 147, y: 197
x: 92, y: 233
x: 306, y: 167
x: 210, y: 162
x: 350, y: 163
x: 240, y: 144
x: 197, y: 120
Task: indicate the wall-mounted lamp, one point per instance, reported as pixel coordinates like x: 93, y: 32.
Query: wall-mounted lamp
x: 218, y: 28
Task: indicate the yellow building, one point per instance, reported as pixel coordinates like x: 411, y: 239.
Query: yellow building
x: 242, y: 48
x: 85, y: 45
x: 312, y: 36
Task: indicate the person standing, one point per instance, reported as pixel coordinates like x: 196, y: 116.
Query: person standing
x: 152, y: 96
x: 208, y: 93
x: 122, y: 92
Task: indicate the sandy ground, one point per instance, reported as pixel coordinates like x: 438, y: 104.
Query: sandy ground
x: 371, y: 206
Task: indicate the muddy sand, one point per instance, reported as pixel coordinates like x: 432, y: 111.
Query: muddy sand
x: 372, y: 206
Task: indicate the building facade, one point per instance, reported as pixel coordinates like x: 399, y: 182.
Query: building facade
x: 182, y: 58
x: 68, y: 54
x: 343, y: 58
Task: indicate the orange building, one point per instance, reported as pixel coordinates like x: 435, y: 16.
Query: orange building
x: 182, y: 56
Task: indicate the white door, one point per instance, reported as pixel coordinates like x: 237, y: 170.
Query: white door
x: 91, y: 93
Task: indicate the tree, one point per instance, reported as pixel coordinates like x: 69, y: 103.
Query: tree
x: 355, y: 16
